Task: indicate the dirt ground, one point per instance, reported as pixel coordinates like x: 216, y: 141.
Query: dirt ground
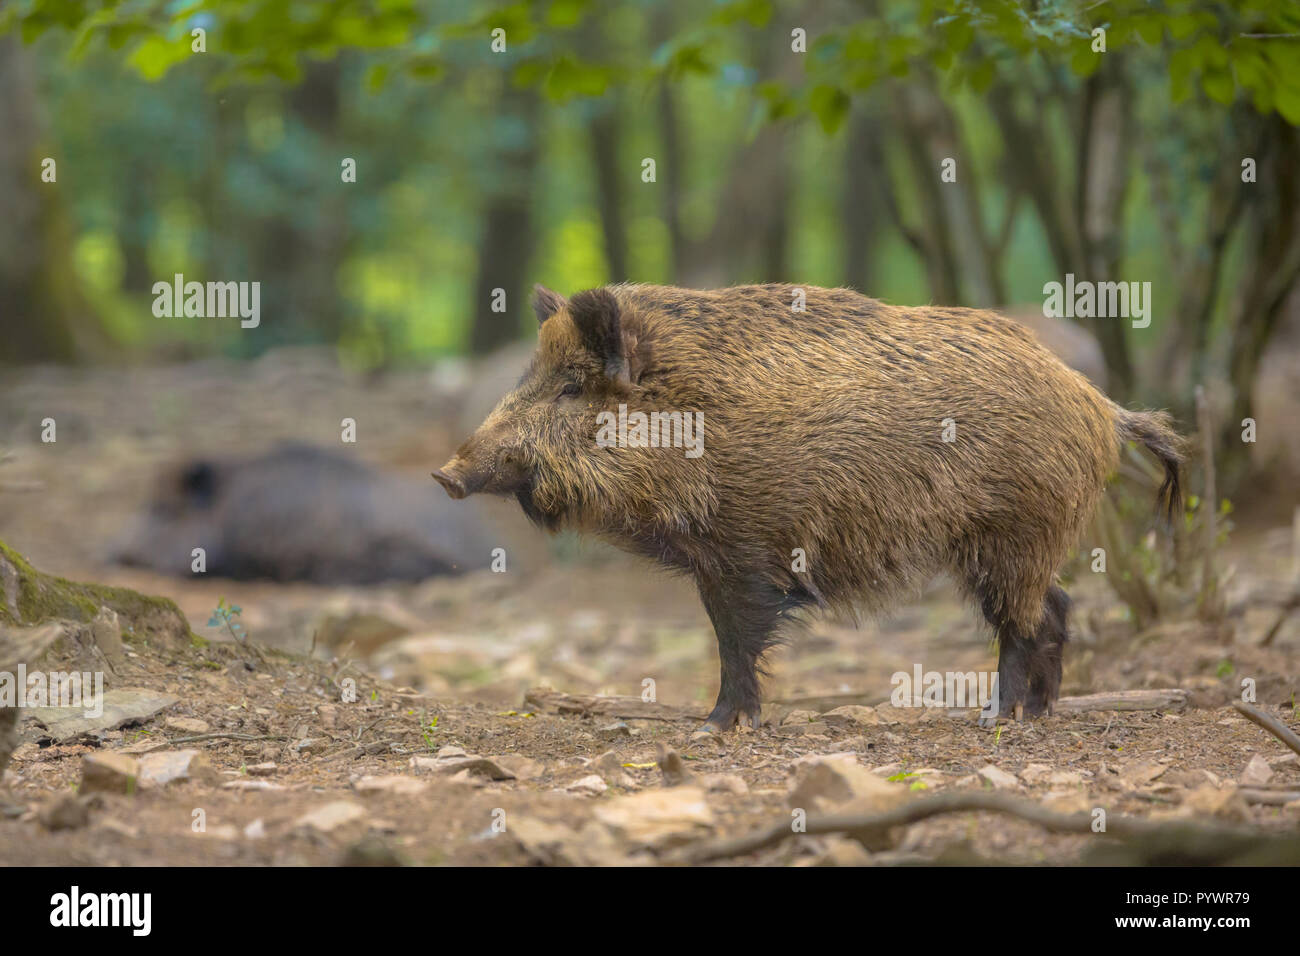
x: 450, y: 754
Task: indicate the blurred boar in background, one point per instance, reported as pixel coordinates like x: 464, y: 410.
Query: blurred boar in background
x: 851, y: 450
x: 300, y: 513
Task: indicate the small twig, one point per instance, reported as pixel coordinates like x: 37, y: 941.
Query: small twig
x: 197, y: 737
x: 374, y: 748
x: 1270, y: 723
x: 364, y: 730
x: 1288, y: 609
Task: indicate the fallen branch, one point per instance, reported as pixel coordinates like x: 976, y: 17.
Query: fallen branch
x: 600, y: 706
x: 1270, y: 723
x: 867, y: 827
x: 1288, y: 608
x: 1269, y: 798
x: 1172, y: 698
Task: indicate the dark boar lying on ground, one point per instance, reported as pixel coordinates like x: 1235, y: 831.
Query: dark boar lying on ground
x: 300, y: 513
x: 824, y: 437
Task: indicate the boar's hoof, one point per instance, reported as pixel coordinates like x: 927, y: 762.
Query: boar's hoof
x: 721, y: 723
x: 1014, y: 712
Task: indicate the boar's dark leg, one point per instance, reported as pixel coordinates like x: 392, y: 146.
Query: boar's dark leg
x: 1049, y: 648
x: 1029, y: 666
x: 745, y: 613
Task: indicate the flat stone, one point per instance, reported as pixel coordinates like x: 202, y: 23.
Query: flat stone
x: 175, y: 766
x: 126, y: 705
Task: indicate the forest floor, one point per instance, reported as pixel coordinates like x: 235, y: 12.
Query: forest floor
x: 501, y: 718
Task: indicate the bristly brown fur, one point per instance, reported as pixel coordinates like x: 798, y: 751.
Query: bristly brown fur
x: 823, y: 431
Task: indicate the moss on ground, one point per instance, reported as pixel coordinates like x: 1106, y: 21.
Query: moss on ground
x: 29, y: 596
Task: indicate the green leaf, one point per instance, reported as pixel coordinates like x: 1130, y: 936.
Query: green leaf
x: 156, y: 55
x: 1085, y: 62
x: 830, y: 105
x: 1218, y: 86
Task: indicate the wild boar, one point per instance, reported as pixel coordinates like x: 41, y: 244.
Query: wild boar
x: 851, y: 450
x: 301, y: 513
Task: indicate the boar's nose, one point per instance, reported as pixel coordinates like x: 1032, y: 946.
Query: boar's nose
x: 450, y: 483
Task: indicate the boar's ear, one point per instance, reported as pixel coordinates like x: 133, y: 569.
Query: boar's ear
x: 599, y: 321
x: 546, y: 303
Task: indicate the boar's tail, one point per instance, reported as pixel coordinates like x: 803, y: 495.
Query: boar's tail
x: 1156, y: 431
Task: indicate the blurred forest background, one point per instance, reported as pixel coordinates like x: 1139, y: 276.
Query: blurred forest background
x: 791, y: 141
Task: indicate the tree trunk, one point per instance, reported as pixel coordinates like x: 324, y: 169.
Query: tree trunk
x: 43, y: 318
x: 506, y: 244
x: 1267, y: 284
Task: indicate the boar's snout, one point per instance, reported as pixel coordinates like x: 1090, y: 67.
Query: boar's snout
x: 454, y: 483
x: 503, y: 473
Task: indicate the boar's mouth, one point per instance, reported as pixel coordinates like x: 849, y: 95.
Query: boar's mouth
x: 550, y: 520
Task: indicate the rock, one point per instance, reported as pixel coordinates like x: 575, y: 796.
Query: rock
x: 106, y: 629
x: 329, y: 715
x: 265, y: 769
x: 67, y: 811
x: 838, y: 780
x: 255, y: 830
x: 1257, y: 772
x: 331, y: 816
x: 1226, y: 803
x: 615, y: 730
x: 174, y: 766
x: 547, y: 843
x: 841, y: 851
x: 471, y: 766
x: 1064, y: 778
x: 1068, y: 802
x: 363, y: 632
x: 310, y: 746
x: 724, y: 783
x: 673, y: 767
x: 1035, y: 773
x: 610, y: 767
x: 1141, y: 775
x: 852, y: 715
x: 108, y: 772
x: 1000, y: 779
x: 658, y: 818
x: 187, y: 725
x: 126, y: 705
x: 590, y: 785
x: 251, y: 785
x: 522, y: 768
x: 390, y: 783
x: 796, y: 717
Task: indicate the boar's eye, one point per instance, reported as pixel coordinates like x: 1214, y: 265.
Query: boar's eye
x: 571, y: 388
